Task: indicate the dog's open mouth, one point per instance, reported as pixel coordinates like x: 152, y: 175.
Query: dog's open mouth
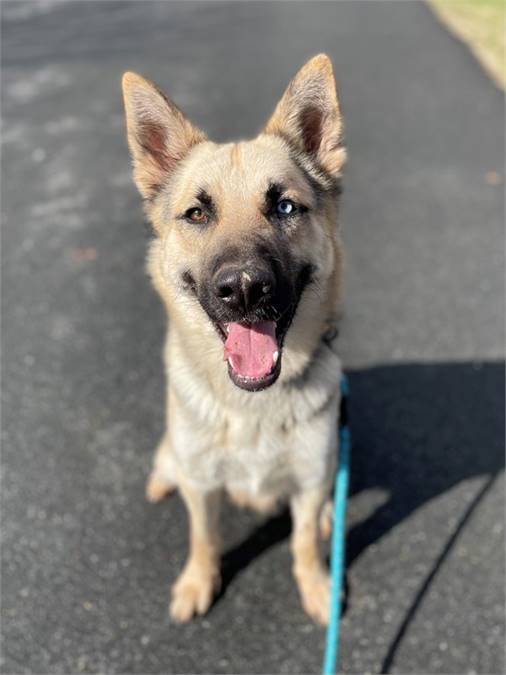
x: 253, y: 343
x: 253, y: 353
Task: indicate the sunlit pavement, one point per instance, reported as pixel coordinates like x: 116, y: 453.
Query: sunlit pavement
x: 87, y: 562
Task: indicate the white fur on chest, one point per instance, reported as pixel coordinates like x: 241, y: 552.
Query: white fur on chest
x: 270, y: 443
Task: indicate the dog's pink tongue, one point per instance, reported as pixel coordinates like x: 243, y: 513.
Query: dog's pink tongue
x: 252, y: 349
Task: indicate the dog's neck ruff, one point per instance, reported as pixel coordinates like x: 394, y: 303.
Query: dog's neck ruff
x: 327, y: 341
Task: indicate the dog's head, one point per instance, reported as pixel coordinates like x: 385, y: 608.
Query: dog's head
x: 243, y: 227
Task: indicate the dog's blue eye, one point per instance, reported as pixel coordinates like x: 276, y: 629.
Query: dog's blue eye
x: 285, y: 207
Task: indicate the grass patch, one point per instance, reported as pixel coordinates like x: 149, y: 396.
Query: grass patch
x: 481, y: 24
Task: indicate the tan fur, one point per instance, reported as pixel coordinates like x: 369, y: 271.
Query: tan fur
x: 272, y: 445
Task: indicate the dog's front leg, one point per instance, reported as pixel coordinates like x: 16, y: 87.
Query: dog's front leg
x: 308, y: 567
x: 194, y: 590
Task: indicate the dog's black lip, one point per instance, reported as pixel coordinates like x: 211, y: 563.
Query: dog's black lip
x: 250, y: 383
x: 220, y: 329
x: 282, y: 325
x: 256, y: 384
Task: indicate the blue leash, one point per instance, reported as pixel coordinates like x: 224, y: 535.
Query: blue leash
x: 338, y: 537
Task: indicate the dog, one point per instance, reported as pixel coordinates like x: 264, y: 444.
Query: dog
x: 247, y: 259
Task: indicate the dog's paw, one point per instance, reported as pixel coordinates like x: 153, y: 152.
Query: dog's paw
x: 326, y: 519
x: 157, y: 487
x: 192, y: 595
x: 315, y: 595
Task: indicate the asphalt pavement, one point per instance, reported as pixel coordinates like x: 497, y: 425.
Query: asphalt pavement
x: 86, y: 561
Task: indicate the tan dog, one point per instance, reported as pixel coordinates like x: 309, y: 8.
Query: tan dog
x: 247, y: 260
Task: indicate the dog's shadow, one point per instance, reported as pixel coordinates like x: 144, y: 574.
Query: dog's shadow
x: 417, y: 431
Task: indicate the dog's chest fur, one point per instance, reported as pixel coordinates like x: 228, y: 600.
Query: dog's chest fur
x: 269, y: 444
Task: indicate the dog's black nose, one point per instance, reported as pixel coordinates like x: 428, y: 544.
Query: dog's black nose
x: 243, y: 289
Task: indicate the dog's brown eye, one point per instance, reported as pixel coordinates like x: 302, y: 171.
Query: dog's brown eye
x: 196, y: 215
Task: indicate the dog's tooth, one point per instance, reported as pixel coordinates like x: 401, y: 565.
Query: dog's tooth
x: 275, y: 357
x: 230, y: 361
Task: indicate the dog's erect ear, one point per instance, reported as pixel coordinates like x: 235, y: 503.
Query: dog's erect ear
x: 159, y: 135
x: 308, y: 115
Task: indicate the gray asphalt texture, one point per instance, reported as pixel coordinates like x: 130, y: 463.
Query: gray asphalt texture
x: 87, y: 562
